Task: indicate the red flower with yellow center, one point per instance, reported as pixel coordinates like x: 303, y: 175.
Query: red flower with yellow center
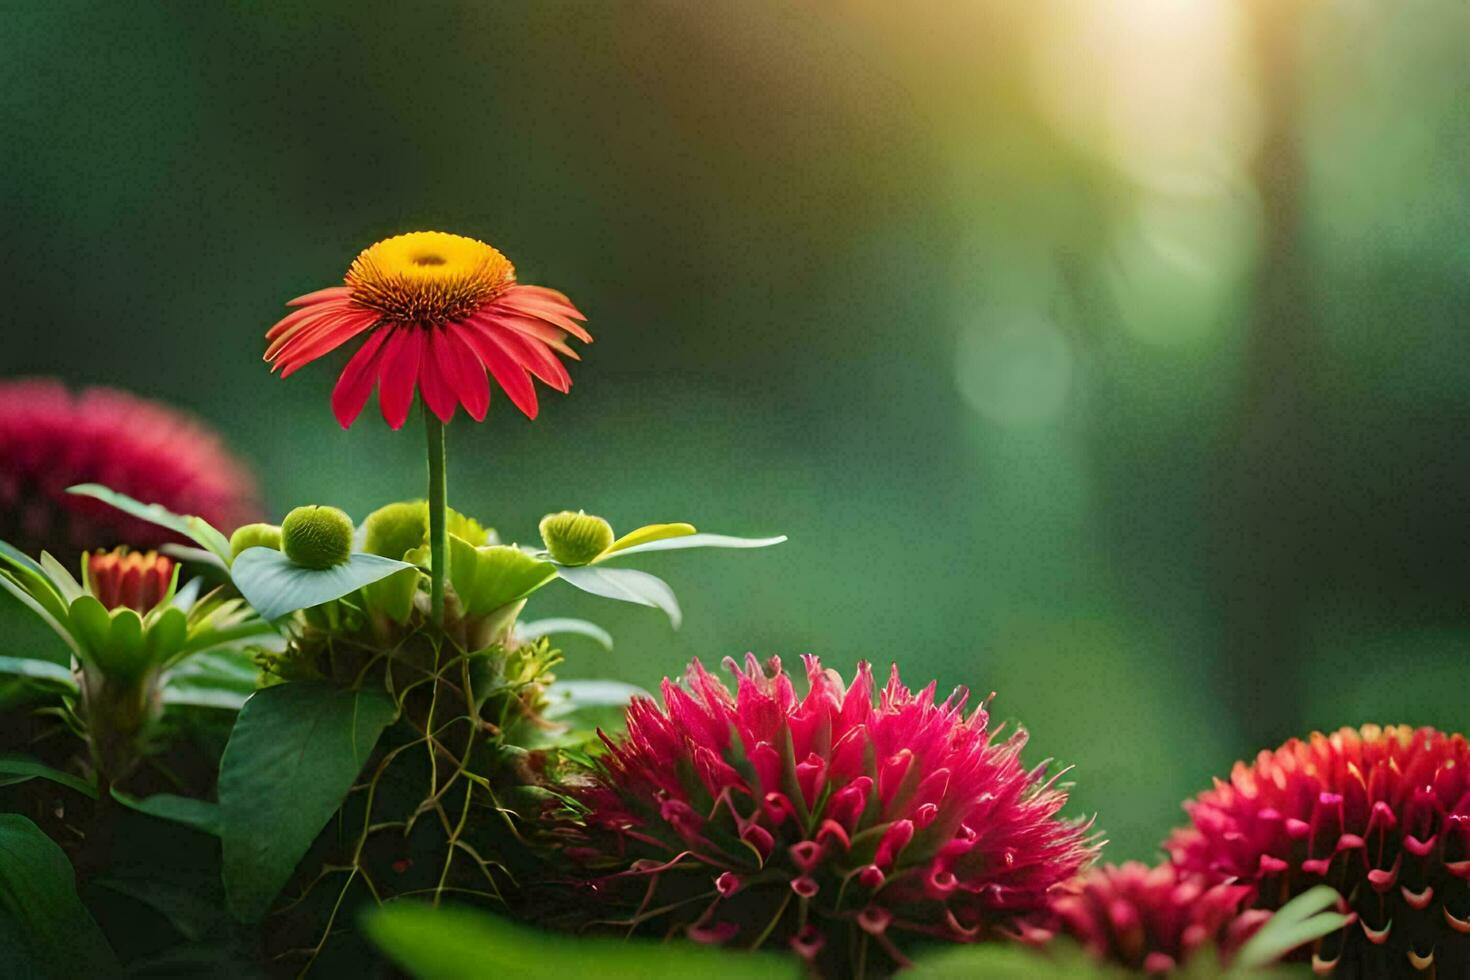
x: 1380, y: 814
x: 136, y: 580
x: 441, y: 310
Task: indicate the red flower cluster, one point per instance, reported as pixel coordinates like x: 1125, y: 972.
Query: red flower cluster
x: 137, y: 580
x: 1380, y: 814
x: 1156, y: 919
x: 51, y: 439
x: 824, y: 822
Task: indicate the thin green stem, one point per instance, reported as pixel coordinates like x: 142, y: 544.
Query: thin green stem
x: 438, y: 507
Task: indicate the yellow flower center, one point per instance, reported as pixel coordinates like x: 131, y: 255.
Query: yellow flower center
x: 428, y: 277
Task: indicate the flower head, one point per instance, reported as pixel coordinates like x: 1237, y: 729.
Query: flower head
x: 1380, y: 814
x: 134, y: 580
x: 825, y: 823
x: 51, y: 439
x: 1156, y: 919
x: 440, y: 310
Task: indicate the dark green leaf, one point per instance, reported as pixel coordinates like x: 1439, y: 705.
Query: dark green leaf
x: 216, y: 679
x: 196, y: 529
x: 275, y: 585
x: 625, y: 585
x: 38, y: 894
x: 16, y: 764
x: 455, y: 943
x: 39, y: 670
x: 202, y: 815
x: 293, y: 755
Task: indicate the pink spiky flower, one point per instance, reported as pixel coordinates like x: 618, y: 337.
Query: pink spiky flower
x: 825, y: 823
x: 51, y: 439
x: 1156, y: 919
x: 1380, y: 814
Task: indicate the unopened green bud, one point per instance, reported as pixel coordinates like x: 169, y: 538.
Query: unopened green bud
x: 396, y: 529
x: 255, y: 536
x: 575, y: 537
x: 317, y: 536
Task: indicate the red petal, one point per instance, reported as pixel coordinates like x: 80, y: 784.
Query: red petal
x: 462, y: 368
x: 315, y: 317
x: 296, y: 316
x: 433, y: 383
x: 399, y: 373
x: 357, y: 379
x: 328, y: 339
x: 511, y: 377
x: 511, y: 302
x: 551, y: 298
x: 534, y: 357
x: 331, y: 292
x: 533, y: 328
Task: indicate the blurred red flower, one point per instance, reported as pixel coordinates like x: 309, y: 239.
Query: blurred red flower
x: 51, y: 439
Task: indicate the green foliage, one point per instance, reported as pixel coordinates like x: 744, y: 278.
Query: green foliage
x: 394, y: 530
x: 276, y: 586
x: 42, y: 921
x: 17, y: 767
x: 198, y: 530
x: 486, y: 579
x: 454, y: 943
x: 1306, y: 918
x: 317, y: 536
x: 625, y: 585
x: 294, y: 753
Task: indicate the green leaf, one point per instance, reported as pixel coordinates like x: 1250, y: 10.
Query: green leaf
x: 202, y: 815
x: 215, y: 679
x: 585, y: 706
x: 692, y: 541
x: 1007, y: 961
x: 47, y: 615
x: 276, y: 586
x: 293, y: 755
x: 38, y: 897
x: 1302, y: 920
x: 647, y: 533
x: 489, y: 578
x: 32, y: 578
x: 625, y: 585
x: 455, y: 943
x: 196, y: 529
x: 28, y: 767
x: 39, y: 670
x: 553, y: 627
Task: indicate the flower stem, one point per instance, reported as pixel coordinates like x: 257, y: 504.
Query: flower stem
x: 438, y: 506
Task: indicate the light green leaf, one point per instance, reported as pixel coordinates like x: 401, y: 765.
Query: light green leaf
x: 61, y: 579
x: 647, y: 533
x: 1302, y: 920
x: 1007, y: 961
x: 200, y: 814
x: 455, y: 943
x: 276, y: 586
x: 196, y: 529
x: 625, y: 585
x: 46, y: 615
x: 18, y: 764
x: 552, y: 627
x: 694, y: 541
x: 586, y: 705
x: 38, y: 899
x: 38, y: 670
x: 31, y: 577
x: 489, y: 578
x: 295, y: 751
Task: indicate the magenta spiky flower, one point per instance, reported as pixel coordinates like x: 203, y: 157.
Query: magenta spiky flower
x: 51, y: 439
x: 1156, y: 919
x: 1380, y: 814
x: 826, y: 823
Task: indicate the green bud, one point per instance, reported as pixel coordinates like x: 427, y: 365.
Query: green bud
x: 255, y: 536
x: 397, y: 529
x: 575, y: 538
x: 317, y: 536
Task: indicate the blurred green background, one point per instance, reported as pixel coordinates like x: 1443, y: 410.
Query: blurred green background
x: 1108, y: 356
